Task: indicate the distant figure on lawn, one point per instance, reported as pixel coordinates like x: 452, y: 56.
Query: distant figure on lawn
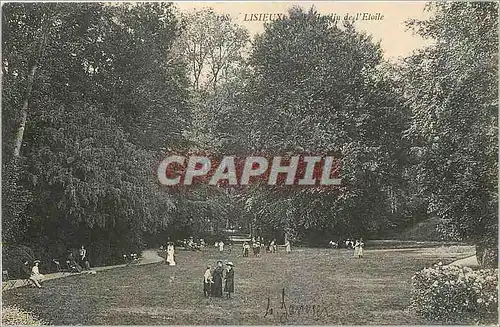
x: 221, y: 246
x: 272, y: 246
x: 246, y: 249
x: 288, y: 247
x: 333, y: 244
x: 229, y: 287
x: 170, y: 259
x: 358, y: 248
x: 207, y: 282
x: 217, y: 280
x: 26, y: 273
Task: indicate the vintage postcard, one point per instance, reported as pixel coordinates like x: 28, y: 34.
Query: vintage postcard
x: 249, y: 163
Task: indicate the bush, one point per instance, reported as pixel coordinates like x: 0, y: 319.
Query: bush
x: 451, y: 294
x: 13, y: 316
x: 13, y: 257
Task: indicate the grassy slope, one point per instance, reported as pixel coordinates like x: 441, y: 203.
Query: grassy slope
x: 373, y: 290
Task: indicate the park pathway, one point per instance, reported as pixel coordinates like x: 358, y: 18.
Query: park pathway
x: 470, y: 262
x: 148, y: 257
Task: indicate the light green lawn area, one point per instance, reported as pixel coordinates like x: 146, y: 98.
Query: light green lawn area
x: 343, y: 290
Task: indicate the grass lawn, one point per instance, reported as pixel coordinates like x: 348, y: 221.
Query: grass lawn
x: 343, y: 290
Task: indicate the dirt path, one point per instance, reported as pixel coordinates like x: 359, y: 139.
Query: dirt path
x: 148, y: 257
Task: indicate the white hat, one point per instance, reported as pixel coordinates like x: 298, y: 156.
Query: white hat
x: 230, y: 264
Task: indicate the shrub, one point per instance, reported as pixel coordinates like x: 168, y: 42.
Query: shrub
x: 451, y: 294
x: 13, y: 316
x: 13, y: 257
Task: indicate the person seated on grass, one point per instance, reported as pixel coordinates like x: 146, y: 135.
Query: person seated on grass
x: 35, y: 272
x: 72, y: 264
x: 26, y: 274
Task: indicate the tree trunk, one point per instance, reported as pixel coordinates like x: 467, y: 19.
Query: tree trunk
x: 45, y: 25
x: 487, y: 256
x: 24, y: 112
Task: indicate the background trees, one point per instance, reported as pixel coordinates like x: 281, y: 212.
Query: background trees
x: 94, y: 95
x: 452, y: 90
x: 317, y: 88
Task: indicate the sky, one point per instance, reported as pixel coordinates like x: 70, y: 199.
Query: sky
x: 396, y: 40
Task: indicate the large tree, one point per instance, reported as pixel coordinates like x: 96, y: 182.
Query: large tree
x: 107, y: 97
x: 318, y: 88
x: 452, y: 88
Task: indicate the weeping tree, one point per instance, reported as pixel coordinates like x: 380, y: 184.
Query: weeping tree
x: 93, y: 120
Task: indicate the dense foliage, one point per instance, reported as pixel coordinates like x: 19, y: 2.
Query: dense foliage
x: 94, y: 95
x: 95, y: 124
x: 450, y: 294
x: 452, y: 88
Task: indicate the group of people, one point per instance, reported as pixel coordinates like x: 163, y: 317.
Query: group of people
x: 80, y: 263
x: 213, y: 280
x: 357, y: 246
x: 258, y: 246
x: 32, y: 272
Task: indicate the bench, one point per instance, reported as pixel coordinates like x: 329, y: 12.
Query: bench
x: 8, y: 283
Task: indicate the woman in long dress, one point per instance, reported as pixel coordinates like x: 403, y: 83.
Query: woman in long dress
x: 360, y: 249
x: 170, y: 255
x: 35, y: 272
x: 288, y: 247
x: 356, y: 249
x: 217, y: 280
x: 229, y: 287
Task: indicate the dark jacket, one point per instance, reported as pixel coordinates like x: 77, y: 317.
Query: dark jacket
x: 230, y: 281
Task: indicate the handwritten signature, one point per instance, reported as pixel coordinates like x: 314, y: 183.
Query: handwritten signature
x: 287, y: 311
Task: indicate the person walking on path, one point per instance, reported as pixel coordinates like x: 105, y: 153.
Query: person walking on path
x: 229, y: 287
x: 217, y: 280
